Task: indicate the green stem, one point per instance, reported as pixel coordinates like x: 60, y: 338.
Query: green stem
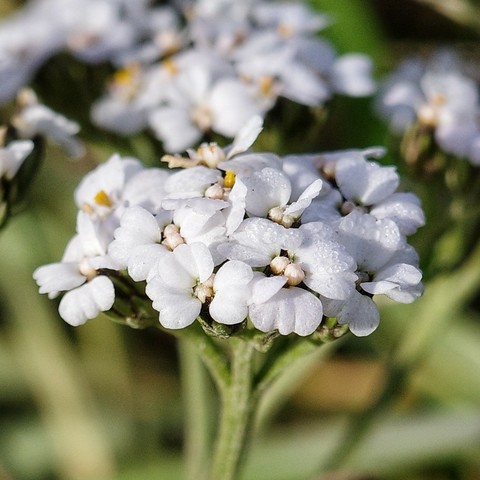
x: 197, y: 406
x: 238, y: 404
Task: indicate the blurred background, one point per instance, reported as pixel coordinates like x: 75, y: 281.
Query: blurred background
x: 104, y: 401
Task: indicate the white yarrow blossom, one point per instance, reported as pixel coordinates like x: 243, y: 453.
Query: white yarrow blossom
x: 183, y: 282
x: 34, y: 118
x: 385, y: 265
x: 242, y: 239
x: 88, y: 291
x: 438, y: 97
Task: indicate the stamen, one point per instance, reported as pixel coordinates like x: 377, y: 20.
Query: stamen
x: 86, y: 270
x: 266, y: 85
x: 101, y: 198
x: 229, y: 179
x: 170, y: 66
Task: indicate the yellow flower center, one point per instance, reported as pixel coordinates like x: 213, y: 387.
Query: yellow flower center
x: 229, y: 179
x: 101, y: 198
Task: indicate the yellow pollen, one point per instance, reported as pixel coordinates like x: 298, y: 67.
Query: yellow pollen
x: 125, y: 76
x: 229, y: 179
x: 266, y: 85
x: 438, y: 99
x: 101, y: 198
x: 170, y: 66
x: 285, y: 30
x: 87, y: 208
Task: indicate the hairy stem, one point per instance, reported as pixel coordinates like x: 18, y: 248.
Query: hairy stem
x: 238, y: 404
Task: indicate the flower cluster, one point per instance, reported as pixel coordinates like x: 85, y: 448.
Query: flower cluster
x: 207, y: 66
x: 234, y: 237
x: 438, y: 97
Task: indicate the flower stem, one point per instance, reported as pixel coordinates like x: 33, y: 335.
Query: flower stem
x: 238, y: 404
x: 197, y: 406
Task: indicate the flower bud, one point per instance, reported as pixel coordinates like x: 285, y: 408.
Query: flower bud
x: 278, y: 265
x: 294, y: 274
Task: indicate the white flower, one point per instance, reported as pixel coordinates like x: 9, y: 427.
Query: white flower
x: 385, y: 265
x: 138, y: 241
x: 198, y: 103
x: 196, y: 222
x: 98, y: 29
x: 180, y: 283
x: 437, y: 95
x: 183, y: 282
x: 371, y: 188
x: 88, y: 293
x: 352, y: 75
x: 37, y: 119
x: 308, y: 255
x: 268, y: 192
x: 122, y: 108
x: 27, y: 40
x: 118, y: 183
x: 12, y: 156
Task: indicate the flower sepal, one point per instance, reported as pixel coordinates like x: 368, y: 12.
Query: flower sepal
x: 130, y: 307
x: 329, y: 331
x: 219, y: 330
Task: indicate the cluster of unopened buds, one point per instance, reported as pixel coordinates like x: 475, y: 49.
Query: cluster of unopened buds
x: 238, y: 239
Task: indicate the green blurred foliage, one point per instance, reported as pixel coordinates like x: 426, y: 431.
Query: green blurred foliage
x: 104, y: 402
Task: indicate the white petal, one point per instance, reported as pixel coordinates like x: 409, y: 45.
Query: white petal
x: 365, y: 182
x: 236, y: 213
x: 305, y: 199
x: 137, y: 227
x: 87, y: 301
x: 291, y: 310
x: 361, y: 314
x: 264, y: 288
x: 372, y: 243
x: 249, y: 163
x: 404, y: 209
x: 191, y: 182
x: 401, y: 282
x: 146, y: 188
x: 232, y: 273
x: 58, y: 277
x: 12, y: 157
x: 229, y: 306
x: 266, y: 189
x: 178, y: 307
x: 174, y: 127
x: 196, y: 259
x: 352, y: 75
x: 232, y: 106
x: 142, y: 259
x: 246, y: 136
